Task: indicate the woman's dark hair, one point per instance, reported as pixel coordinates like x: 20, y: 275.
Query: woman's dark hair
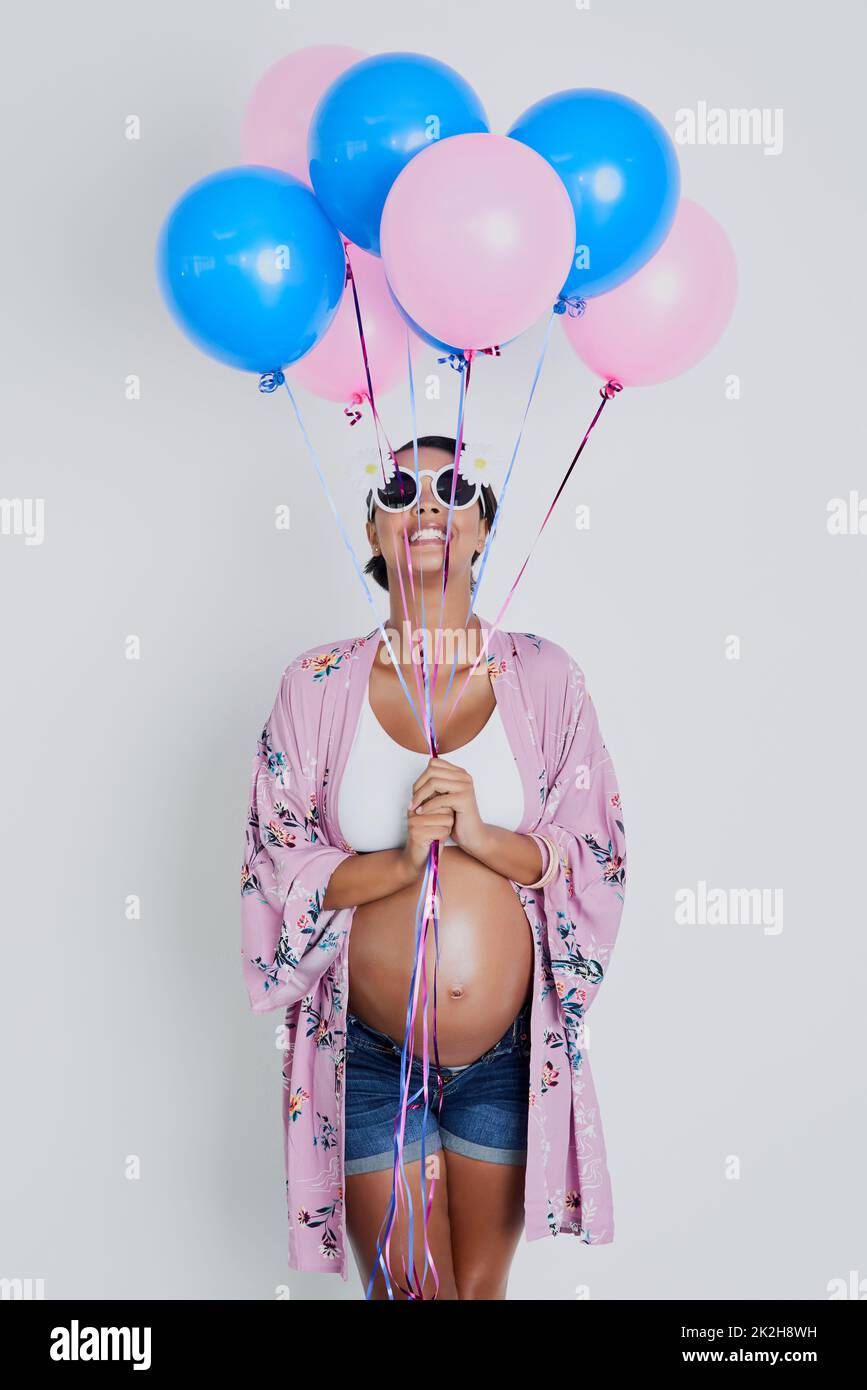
x: 487, y: 503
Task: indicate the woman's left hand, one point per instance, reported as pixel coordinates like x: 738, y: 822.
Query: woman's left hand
x: 444, y: 784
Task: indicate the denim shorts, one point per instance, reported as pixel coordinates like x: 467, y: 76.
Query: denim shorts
x: 485, y: 1104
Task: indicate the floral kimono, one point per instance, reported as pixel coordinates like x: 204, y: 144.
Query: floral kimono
x: 295, y: 953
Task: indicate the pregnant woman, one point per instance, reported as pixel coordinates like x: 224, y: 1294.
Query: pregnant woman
x: 345, y: 804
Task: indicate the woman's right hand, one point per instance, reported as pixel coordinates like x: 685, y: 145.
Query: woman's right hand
x: 421, y: 831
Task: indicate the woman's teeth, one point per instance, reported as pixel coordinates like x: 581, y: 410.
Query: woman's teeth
x: 427, y: 533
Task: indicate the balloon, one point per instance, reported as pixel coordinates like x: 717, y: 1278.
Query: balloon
x: 621, y: 171
x: 419, y: 331
x: 335, y: 366
x: 477, y: 235
x: 251, y: 267
x: 427, y: 337
x: 277, y: 118
x: 371, y: 123
x: 669, y: 315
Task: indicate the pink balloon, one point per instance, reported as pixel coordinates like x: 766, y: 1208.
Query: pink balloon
x: 274, y: 129
x: 670, y: 313
x: 477, y: 238
x: 334, y: 367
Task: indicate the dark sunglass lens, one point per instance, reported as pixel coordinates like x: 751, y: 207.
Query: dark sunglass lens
x: 464, y: 489
x: 398, y: 492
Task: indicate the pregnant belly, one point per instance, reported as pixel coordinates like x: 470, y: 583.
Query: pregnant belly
x: 485, y: 960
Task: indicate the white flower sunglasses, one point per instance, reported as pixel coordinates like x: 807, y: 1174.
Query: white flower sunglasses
x: 399, y: 493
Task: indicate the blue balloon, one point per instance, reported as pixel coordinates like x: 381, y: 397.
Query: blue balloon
x: 251, y: 268
x: 369, y: 124
x: 621, y: 171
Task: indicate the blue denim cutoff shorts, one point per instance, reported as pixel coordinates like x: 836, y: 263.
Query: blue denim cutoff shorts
x: 485, y: 1104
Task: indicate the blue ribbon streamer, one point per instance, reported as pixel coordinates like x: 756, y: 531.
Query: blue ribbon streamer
x: 348, y: 543
x: 501, y: 499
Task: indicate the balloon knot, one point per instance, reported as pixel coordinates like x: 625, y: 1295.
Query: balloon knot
x: 610, y: 389
x: 455, y: 362
x: 269, y: 381
x: 571, y: 304
x: 351, y: 412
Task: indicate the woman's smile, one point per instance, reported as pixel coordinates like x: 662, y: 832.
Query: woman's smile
x: 428, y: 535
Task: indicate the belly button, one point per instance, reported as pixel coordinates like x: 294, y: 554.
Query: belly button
x: 456, y: 993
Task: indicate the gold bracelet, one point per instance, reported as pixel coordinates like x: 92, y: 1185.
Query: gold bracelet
x: 552, y: 866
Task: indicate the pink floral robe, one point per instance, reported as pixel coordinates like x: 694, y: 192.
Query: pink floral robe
x: 295, y: 953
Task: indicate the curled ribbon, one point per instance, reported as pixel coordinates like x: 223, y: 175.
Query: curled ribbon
x: 571, y: 304
x: 269, y: 381
x: 351, y: 411
x: 455, y: 362
x: 458, y: 361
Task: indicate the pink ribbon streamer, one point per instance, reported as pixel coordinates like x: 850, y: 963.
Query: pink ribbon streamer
x: 607, y: 392
x: 413, y: 1287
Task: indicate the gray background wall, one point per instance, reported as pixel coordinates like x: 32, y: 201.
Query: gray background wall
x: 716, y: 1050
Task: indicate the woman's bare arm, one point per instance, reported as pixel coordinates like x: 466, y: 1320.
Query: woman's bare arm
x: 363, y: 878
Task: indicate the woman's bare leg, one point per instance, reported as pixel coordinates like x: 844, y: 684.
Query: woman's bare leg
x: 368, y: 1196
x: 486, y: 1215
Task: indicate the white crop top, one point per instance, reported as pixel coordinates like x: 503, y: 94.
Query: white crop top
x: 379, y: 774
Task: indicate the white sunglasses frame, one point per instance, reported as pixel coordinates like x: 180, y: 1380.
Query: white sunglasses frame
x: 429, y: 473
